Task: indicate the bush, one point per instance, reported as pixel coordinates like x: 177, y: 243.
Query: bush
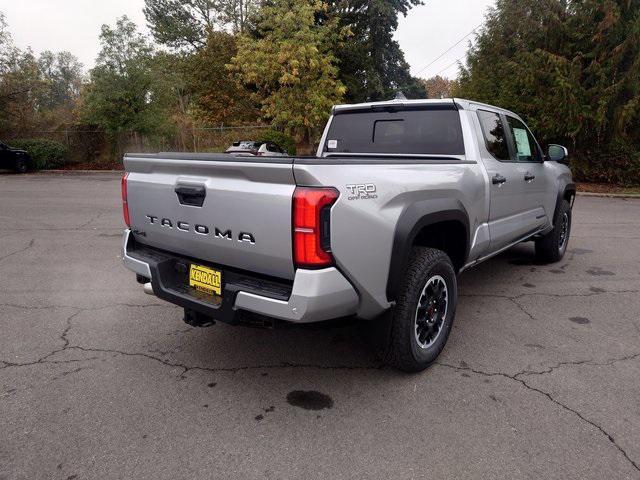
x: 284, y: 141
x: 618, y: 164
x: 44, y: 153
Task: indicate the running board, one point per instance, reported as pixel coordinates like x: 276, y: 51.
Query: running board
x: 497, y: 252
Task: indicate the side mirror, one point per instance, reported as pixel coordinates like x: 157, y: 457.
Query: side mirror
x: 557, y: 153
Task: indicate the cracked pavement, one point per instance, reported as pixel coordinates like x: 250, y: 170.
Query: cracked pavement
x: 540, y: 378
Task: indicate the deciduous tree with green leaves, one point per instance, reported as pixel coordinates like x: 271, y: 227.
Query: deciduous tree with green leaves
x: 61, y: 74
x: 292, y: 67
x: 124, y: 94
x: 20, y: 86
x: 5, y: 37
x: 36, y: 93
x: 218, y: 98
x: 19, y: 76
x: 186, y: 24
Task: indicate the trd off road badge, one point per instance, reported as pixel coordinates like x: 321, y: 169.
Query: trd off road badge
x: 361, y: 191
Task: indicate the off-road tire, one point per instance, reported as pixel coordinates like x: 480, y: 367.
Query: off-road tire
x: 551, y: 247
x: 403, y: 350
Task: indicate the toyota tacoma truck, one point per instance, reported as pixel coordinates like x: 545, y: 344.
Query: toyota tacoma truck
x: 401, y: 197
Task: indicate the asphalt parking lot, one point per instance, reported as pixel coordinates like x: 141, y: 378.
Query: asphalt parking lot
x: 540, y: 379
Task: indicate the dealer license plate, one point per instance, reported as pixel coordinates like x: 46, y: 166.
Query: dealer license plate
x: 205, y: 279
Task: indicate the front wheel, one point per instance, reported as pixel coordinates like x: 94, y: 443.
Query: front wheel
x: 424, y: 311
x: 552, y: 247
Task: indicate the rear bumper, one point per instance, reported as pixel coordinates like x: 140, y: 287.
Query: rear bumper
x: 314, y: 295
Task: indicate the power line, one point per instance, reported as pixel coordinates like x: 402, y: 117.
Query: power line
x: 447, y: 50
x: 450, y: 65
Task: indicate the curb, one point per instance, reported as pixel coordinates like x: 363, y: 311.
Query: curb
x: 608, y: 195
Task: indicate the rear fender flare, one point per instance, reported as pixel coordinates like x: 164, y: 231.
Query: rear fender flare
x: 410, y: 223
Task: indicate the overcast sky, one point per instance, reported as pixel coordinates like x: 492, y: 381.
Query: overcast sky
x: 74, y: 25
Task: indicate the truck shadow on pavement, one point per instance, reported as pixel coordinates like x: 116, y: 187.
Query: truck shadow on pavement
x: 343, y: 343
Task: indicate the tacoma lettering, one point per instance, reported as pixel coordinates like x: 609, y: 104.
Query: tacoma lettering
x: 221, y: 233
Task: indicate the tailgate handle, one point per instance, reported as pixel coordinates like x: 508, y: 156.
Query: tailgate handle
x: 191, y: 195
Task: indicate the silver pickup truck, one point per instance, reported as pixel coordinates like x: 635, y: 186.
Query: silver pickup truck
x: 401, y: 197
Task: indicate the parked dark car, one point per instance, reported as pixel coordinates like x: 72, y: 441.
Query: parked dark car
x: 249, y: 147
x: 14, y: 159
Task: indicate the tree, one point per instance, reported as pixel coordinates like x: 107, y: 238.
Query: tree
x: 19, y: 80
x: 6, y: 44
x: 20, y: 85
x: 5, y: 36
x: 217, y: 96
x: 186, y: 24
x: 62, y: 74
x: 35, y: 93
x: 292, y: 66
x: 572, y: 69
x: 437, y: 87
x: 372, y: 65
x: 124, y: 93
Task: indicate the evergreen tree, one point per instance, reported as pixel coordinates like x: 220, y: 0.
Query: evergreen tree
x: 372, y: 65
x: 572, y: 69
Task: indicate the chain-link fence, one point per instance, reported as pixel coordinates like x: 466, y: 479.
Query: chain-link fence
x: 213, y: 139
x: 91, y: 147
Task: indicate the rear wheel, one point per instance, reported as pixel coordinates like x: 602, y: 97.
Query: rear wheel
x: 424, y: 311
x: 21, y: 165
x: 552, y: 247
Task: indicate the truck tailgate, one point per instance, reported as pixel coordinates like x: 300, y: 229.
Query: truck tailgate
x: 224, y: 210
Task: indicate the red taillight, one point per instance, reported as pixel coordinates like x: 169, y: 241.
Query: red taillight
x: 311, y: 215
x: 125, y: 205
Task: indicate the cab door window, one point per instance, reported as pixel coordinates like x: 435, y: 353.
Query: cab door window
x: 525, y: 146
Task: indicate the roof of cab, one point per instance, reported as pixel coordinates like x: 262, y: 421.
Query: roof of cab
x: 395, y: 102
x: 457, y: 103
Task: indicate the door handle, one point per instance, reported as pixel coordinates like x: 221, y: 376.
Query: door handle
x: 191, y: 195
x: 529, y: 177
x: 498, y: 179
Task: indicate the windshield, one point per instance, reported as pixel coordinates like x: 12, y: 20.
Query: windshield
x: 415, y: 131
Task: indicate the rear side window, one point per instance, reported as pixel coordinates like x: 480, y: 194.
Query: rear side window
x: 495, y: 137
x: 411, y: 132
